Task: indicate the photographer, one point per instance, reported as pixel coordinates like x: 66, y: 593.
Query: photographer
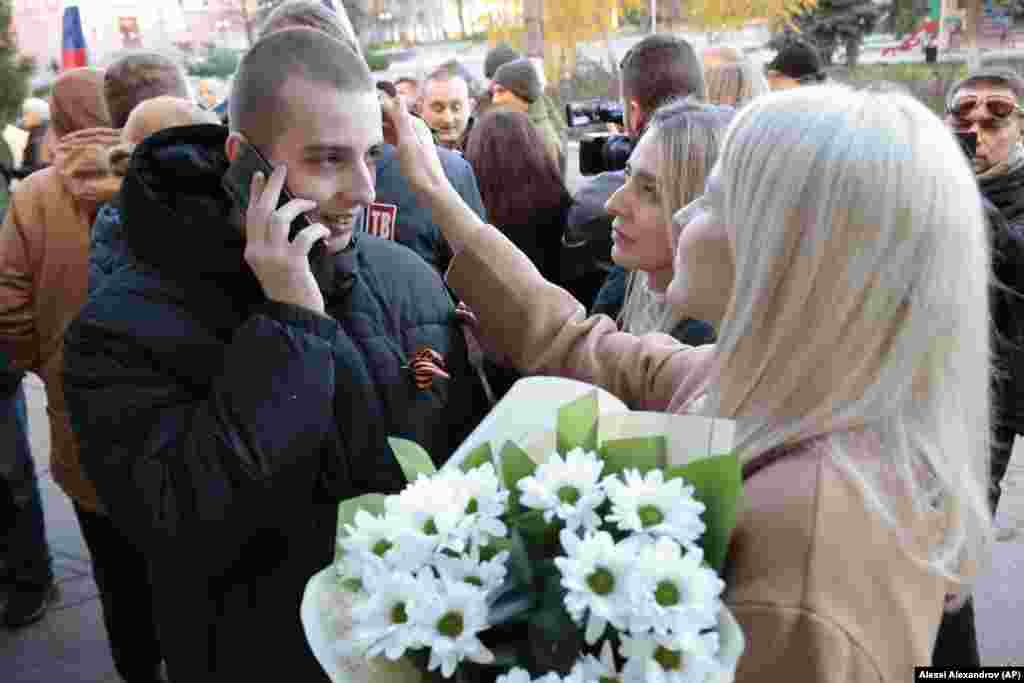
x: 984, y: 108
x: 657, y: 69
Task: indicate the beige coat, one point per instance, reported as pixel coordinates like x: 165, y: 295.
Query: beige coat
x: 822, y: 588
x: 44, y: 276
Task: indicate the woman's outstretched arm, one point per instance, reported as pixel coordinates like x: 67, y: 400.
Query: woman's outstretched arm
x: 538, y: 326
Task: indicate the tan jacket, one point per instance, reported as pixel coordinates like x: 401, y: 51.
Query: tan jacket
x: 44, y: 273
x: 822, y: 588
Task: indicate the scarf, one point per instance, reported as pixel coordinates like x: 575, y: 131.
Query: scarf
x: 1003, y: 184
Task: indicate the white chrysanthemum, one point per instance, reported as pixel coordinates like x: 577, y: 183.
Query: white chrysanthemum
x: 648, y: 504
x: 596, y: 573
x: 567, y: 488
x: 671, y: 591
x: 451, y: 620
x: 679, y: 659
x: 517, y: 675
x: 486, y: 502
x: 381, y: 623
x: 387, y: 537
x: 487, y: 576
x: 435, y: 508
x: 590, y: 669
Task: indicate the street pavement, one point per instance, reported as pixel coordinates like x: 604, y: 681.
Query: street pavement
x: 69, y: 644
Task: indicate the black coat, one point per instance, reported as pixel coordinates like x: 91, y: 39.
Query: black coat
x: 221, y: 429
x: 1004, y: 205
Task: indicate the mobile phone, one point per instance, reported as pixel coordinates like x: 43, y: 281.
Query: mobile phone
x: 237, y: 183
x: 968, y: 143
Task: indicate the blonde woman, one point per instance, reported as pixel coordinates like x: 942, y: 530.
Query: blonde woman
x: 856, y: 368
x: 734, y: 84
x: 667, y: 170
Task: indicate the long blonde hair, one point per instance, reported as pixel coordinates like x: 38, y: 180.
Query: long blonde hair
x: 860, y: 302
x: 689, y: 135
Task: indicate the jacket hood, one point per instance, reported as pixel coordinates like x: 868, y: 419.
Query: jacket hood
x: 176, y: 214
x: 81, y: 162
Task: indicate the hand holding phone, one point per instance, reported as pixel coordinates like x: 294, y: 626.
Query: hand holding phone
x: 281, y: 264
x: 238, y: 183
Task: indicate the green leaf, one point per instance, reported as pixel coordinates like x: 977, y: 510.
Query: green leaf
x: 481, y: 455
x: 718, y: 483
x: 412, y: 458
x: 642, y: 453
x: 555, y: 641
x: 577, y: 424
x: 506, y: 656
x: 493, y: 547
x: 532, y: 526
x: 515, y: 464
x: 519, y: 565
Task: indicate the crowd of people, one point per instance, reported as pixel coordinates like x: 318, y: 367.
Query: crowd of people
x: 826, y: 266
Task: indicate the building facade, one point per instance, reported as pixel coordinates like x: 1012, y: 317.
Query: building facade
x: 173, y: 26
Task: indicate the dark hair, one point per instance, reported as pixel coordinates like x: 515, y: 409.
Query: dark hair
x: 257, y: 108
x: 517, y: 177
x: 659, y: 68
x: 138, y: 76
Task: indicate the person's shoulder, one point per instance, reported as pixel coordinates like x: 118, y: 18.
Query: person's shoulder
x: 592, y: 195
x: 393, y: 260
x: 599, y: 185
x: 400, y: 278
x: 452, y: 162
x: 35, y: 196
x: 107, y: 218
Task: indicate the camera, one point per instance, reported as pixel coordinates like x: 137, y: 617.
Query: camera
x: 599, y: 152
x: 589, y: 112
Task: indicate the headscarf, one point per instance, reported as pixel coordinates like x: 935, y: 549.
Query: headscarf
x: 77, y: 102
x: 81, y: 127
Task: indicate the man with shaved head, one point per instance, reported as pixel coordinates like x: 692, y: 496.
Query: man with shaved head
x: 230, y: 385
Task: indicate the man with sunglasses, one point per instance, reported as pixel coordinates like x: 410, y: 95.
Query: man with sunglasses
x: 985, y: 105
x: 796, y: 64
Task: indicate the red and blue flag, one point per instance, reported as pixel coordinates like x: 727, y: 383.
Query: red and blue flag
x: 73, y: 46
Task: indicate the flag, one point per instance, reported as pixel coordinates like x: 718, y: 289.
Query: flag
x: 74, y: 40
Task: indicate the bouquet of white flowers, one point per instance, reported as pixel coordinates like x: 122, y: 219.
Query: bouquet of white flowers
x: 563, y: 558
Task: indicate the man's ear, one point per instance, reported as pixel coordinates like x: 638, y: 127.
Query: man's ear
x: 233, y: 145
x: 637, y: 118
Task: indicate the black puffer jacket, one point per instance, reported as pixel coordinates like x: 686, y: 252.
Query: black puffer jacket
x: 222, y: 429
x: 1005, y: 193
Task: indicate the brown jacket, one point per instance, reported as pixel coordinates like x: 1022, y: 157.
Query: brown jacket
x: 44, y: 272
x: 822, y: 588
